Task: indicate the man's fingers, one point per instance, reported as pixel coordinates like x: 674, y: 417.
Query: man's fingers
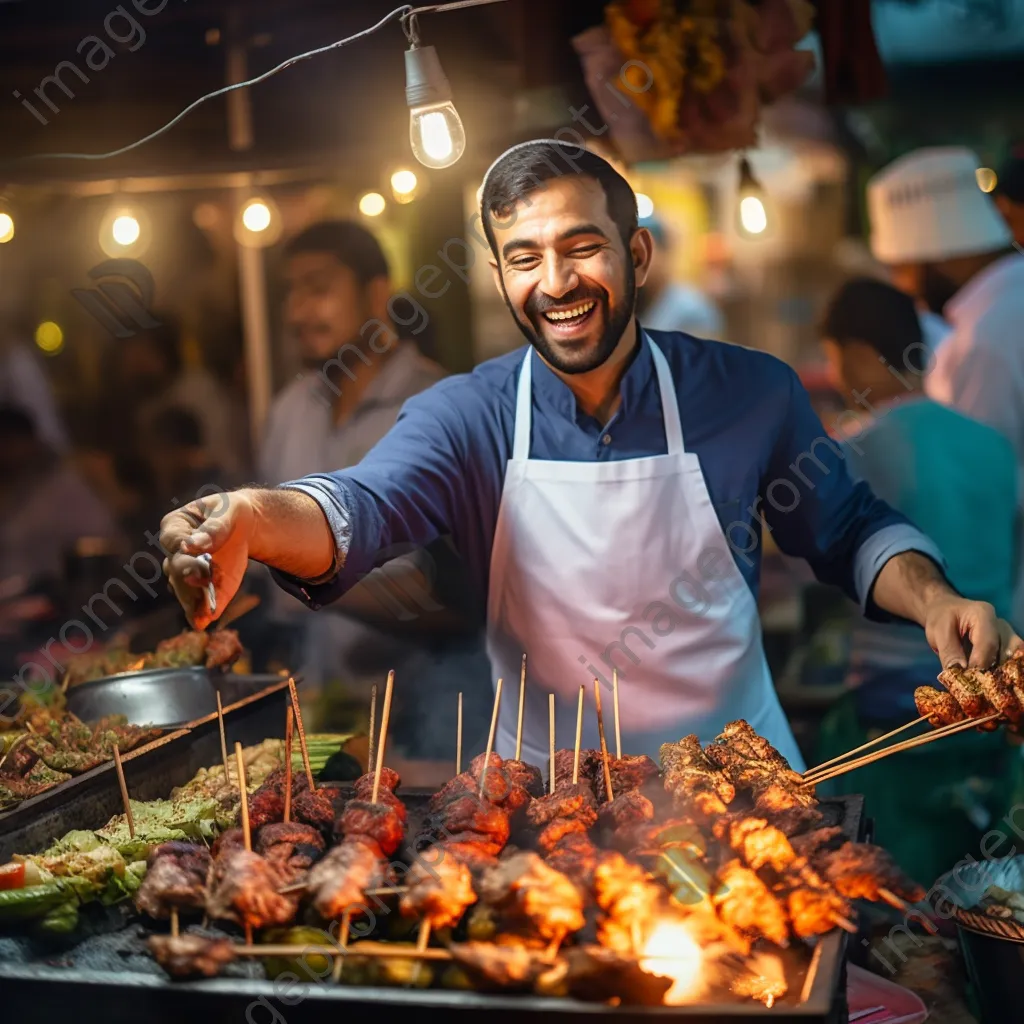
x: 183, y: 572
x: 1010, y: 642
x: 946, y: 642
x: 985, y: 640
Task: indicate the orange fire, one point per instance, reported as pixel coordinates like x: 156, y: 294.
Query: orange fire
x: 672, y: 952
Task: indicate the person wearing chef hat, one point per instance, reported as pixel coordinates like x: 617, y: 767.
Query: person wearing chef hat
x: 607, y: 487
x: 947, y: 244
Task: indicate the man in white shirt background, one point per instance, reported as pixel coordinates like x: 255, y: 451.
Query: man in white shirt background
x: 945, y: 243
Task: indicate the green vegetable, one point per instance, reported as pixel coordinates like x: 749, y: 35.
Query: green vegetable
x: 321, y: 747
x: 31, y: 901
x: 305, y: 966
x: 61, y: 920
x: 455, y: 977
x: 396, y: 971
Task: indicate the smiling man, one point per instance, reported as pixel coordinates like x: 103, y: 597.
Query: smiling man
x: 607, y: 487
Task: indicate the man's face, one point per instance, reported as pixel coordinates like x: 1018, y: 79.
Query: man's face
x: 325, y: 307
x: 566, y: 276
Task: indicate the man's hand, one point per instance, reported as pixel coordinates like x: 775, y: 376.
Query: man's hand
x: 951, y: 620
x: 221, y: 525
x: 960, y: 631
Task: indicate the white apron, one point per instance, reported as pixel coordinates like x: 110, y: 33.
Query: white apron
x: 593, y: 554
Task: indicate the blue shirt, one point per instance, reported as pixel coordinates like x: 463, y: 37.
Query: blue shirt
x: 766, y: 458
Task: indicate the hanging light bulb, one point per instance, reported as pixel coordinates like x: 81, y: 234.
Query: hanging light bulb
x: 372, y: 204
x: 751, y: 207
x: 404, y: 185
x: 644, y: 206
x: 6, y: 226
x: 124, y: 231
x: 435, y: 128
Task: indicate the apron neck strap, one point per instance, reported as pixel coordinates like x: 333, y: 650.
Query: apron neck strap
x: 669, y: 404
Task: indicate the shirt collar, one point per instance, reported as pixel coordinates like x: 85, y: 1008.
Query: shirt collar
x: 971, y: 301
x: 551, y: 390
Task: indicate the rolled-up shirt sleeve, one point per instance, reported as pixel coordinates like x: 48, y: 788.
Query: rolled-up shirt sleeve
x: 404, y: 493
x: 817, y: 511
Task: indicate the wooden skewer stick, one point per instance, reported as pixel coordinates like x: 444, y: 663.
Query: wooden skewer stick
x: 896, y: 748
x: 522, y: 698
x: 384, y: 950
x: 302, y: 732
x: 865, y: 746
x: 385, y: 716
x: 490, y: 735
x: 339, y: 961
x: 174, y: 923
x: 615, y: 702
x: 847, y: 926
x: 373, y: 726
x: 243, y: 803
x: 604, y: 745
x: 223, y: 739
x: 458, y: 739
x: 579, y: 736
x: 124, y: 791
x: 423, y: 939
x: 65, y: 682
x: 289, y: 726
x: 551, y: 741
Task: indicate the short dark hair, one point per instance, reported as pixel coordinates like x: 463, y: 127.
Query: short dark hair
x: 177, y: 427
x: 350, y: 243
x: 874, y: 312
x: 16, y: 423
x: 525, y: 168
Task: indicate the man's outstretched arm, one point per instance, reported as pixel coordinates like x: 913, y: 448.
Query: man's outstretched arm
x: 284, y: 529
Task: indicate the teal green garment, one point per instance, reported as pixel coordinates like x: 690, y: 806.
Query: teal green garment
x: 956, y: 480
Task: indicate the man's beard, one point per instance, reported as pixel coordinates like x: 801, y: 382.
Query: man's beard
x: 613, y: 329
x: 936, y: 288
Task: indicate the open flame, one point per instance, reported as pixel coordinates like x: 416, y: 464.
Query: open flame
x: 672, y: 952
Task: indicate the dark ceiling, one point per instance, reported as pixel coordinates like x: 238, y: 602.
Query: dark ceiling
x: 339, y: 108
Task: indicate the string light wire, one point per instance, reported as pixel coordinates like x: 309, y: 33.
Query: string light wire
x: 407, y: 14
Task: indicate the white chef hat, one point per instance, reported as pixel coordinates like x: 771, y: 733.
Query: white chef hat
x: 927, y: 206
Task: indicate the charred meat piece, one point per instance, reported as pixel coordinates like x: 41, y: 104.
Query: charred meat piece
x: 694, y: 782
x: 524, y: 888
x: 859, y: 870
x: 471, y: 814
x: 526, y: 776
x: 496, y: 789
x: 389, y: 780
x: 629, y: 809
x: 229, y: 839
x: 486, y: 846
x: 243, y: 889
x: 591, y: 767
x: 378, y: 822
x: 224, y: 648
x: 494, y: 968
x: 191, y: 956
x: 966, y: 688
x: 555, y: 832
x: 476, y: 766
x: 630, y: 772
x: 338, y: 881
x: 757, y: 843
x: 939, y: 706
x: 792, y: 820
x: 576, y: 857
x: 742, y: 734
x: 293, y: 833
x: 568, y: 801
x: 629, y: 899
x: 745, y: 903
x: 175, y: 877
x: 276, y: 780
x: 438, y: 893
x: 266, y: 806
x: 810, y: 844
x: 477, y: 858
x: 384, y: 796
x: 181, y: 651
x: 813, y: 905
x: 771, y: 797
x: 313, y: 807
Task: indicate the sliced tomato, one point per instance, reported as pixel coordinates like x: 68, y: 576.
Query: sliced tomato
x: 12, y: 876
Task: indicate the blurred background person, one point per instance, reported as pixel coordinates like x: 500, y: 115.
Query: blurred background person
x: 956, y: 479
x: 946, y: 244
x: 360, y: 368
x: 146, y: 375
x: 24, y: 384
x: 1009, y: 193
x: 666, y: 304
